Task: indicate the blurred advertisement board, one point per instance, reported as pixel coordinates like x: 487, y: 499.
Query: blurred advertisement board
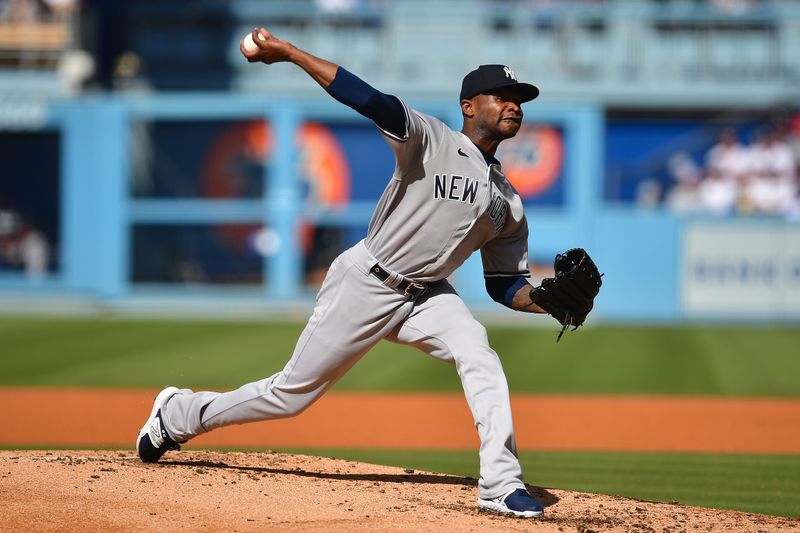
x: 337, y: 162
x: 742, y: 270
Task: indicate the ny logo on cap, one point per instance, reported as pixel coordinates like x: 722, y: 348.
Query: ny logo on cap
x: 510, y: 73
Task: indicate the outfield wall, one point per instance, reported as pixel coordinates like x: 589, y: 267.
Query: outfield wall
x: 659, y: 267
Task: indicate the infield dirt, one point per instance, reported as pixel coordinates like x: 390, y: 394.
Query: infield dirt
x: 46, y: 418
x: 213, y: 491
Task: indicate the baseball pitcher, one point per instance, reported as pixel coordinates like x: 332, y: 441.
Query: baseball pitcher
x: 446, y: 198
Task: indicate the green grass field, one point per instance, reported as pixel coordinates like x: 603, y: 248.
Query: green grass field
x: 710, y: 361
x: 610, y: 360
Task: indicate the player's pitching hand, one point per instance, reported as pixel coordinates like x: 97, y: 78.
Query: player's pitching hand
x: 262, y: 46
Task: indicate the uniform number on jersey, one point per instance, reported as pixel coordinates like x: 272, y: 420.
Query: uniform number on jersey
x: 455, y: 187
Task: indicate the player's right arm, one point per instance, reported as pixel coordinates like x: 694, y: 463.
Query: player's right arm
x: 385, y: 110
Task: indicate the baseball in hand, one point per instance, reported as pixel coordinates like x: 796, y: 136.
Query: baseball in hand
x: 249, y: 43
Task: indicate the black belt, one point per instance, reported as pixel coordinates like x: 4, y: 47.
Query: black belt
x: 409, y: 288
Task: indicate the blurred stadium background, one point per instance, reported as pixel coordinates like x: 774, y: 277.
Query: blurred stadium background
x: 149, y: 170
x: 146, y: 163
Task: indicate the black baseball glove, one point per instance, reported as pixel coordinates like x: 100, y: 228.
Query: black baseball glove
x: 569, y: 296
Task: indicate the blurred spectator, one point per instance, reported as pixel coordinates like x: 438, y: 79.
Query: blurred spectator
x: 684, y: 197
x: 769, y: 195
x: 771, y: 186
x: 780, y: 161
x: 727, y: 158
x: 718, y: 194
x: 756, y: 156
x: 794, y: 142
x: 22, y: 246
x: 75, y: 68
x: 726, y: 169
x: 648, y: 194
x: 33, y: 251
x: 761, y: 178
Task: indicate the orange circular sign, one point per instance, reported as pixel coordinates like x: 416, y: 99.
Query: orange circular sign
x: 533, y: 159
x: 227, y: 171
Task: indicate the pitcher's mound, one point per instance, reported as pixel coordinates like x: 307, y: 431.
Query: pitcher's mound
x: 212, y: 491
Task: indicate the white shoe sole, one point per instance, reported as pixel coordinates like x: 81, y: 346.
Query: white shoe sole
x: 488, y: 505
x: 160, y: 400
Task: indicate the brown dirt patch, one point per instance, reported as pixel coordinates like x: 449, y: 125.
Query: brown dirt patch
x: 205, y: 491
x: 111, y: 418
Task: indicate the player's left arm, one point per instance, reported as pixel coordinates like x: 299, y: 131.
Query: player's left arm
x: 505, y: 263
x: 514, y: 292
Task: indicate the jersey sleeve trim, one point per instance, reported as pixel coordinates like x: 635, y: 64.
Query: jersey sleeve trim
x: 394, y: 136
x: 385, y: 110
x: 503, y: 290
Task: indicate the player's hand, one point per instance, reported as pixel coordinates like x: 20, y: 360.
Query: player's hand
x: 269, y: 49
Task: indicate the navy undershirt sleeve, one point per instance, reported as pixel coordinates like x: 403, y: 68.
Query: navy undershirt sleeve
x: 503, y: 289
x: 384, y: 109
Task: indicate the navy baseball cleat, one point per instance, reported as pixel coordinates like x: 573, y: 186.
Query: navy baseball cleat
x: 153, y: 440
x: 517, y: 503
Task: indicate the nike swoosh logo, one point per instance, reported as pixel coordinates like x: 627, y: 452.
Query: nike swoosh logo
x: 462, y: 153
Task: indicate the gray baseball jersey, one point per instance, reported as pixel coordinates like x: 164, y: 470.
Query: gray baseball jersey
x: 443, y: 202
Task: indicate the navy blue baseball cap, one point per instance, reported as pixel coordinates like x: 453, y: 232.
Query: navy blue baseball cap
x: 488, y: 77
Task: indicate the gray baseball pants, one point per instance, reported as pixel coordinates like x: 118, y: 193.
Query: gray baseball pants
x: 355, y: 310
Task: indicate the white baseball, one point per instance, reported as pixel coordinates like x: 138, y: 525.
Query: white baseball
x: 249, y: 43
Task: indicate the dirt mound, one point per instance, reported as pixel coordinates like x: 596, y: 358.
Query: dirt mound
x: 211, y: 491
